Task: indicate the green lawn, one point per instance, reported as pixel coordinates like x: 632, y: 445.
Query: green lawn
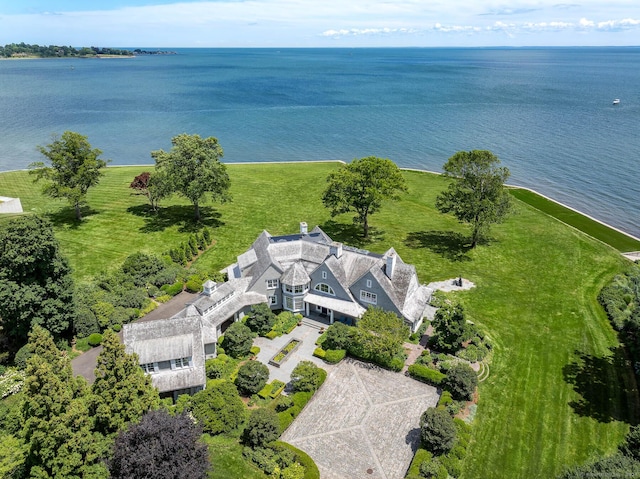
x: 554, y: 396
x: 605, y: 234
x: 227, y: 460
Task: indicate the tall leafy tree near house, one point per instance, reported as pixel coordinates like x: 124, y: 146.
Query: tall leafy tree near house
x: 476, y: 195
x: 58, y: 429
x: 122, y: 391
x: 36, y: 287
x: 361, y: 186
x: 75, y: 167
x: 194, y: 169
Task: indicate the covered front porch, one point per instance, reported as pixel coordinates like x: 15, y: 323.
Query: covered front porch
x: 328, y: 309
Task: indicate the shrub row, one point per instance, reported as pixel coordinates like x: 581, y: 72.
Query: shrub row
x: 187, y: 250
x: 300, y: 400
x: 272, y: 389
x: 426, y: 374
x: 310, y: 469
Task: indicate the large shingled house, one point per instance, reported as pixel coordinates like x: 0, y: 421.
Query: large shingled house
x: 306, y: 272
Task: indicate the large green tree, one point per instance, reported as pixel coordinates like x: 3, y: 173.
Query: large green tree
x: 35, y: 280
x: 219, y: 408
x: 437, y: 430
x: 122, y: 391
x: 75, y: 167
x: 58, y: 428
x: 193, y: 168
x: 476, y: 195
x: 379, y: 334
x: 361, y: 186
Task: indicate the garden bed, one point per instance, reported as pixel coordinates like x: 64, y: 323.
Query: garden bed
x: 285, y: 353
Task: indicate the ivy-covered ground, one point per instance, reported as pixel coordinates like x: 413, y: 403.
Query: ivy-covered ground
x: 558, y: 393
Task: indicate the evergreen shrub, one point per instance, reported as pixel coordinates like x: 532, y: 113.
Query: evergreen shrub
x: 334, y: 356
x: 95, y: 339
x: 426, y: 374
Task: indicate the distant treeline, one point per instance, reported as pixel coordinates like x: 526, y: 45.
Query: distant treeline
x: 52, y: 51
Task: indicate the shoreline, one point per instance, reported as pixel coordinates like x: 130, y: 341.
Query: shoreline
x: 417, y: 170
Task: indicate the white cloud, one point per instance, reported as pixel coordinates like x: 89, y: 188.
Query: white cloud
x: 312, y: 22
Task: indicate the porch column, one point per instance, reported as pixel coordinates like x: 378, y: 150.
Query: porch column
x: 306, y: 309
x: 331, y: 316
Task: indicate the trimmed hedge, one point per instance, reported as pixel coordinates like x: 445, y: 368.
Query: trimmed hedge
x: 271, y: 334
x: 334, y: 356
x: 310, y: 469
x: 172, y: 289
x: 319, y: 352
x: 95, y: 339
x: 426, y: 374
x: 255, y: 350
x: 300, y: 400
x: 272, y: 389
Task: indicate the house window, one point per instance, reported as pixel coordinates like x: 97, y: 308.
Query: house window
x: 288, y: 303
x: 272, y: 283
x: 325, y: 288
x: 293, y: 304
x: 368, y: 283
x: 148, y: 368
x: 273, y: 300
x: 368, y: 297
x: 296, y: 289
x: 181, y: 363
x: 318, y: 307
x: 324, y: 275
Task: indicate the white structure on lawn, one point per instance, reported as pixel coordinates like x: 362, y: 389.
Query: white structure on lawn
x: 306, y: 272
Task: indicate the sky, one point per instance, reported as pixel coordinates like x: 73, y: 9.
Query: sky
x: 320, y: 23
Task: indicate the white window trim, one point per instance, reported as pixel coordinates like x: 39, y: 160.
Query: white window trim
x: 180, y: 363
x: 150, y: 368
x: 368, y: 283
x: 272, y: 285
x: 368, y: 297
x: 324, y: 275
x: 273, y: 300
x: 330, y: 290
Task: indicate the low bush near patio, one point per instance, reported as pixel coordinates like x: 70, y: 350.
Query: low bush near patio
x: 310, y: 469
x: 334, y: 356
x: 307, y: 377
x: 426, y: 374
x: 252, y: 377
x: 299, y: 401
x: 272, y: 390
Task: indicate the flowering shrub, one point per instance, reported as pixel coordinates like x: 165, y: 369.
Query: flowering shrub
x: 11, y: 382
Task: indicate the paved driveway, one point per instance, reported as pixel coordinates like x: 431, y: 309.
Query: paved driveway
x: 362, y: 423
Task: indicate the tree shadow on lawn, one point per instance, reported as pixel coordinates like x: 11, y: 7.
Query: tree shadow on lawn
x: 66, y: 216
x: 590, y: 376
x: 182, y: 215
x: 449, y: 244
x: 351, y: 234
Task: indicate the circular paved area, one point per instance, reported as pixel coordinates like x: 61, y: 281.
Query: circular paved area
x: 362, y: 423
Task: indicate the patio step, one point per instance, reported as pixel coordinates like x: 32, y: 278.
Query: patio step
x: 313, y: 324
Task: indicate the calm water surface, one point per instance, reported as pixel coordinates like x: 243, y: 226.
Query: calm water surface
x: 547, y: 113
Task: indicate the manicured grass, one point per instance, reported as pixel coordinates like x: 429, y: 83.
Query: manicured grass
x: 556, y: 394
x: 227, y: 460
x: 593, y: 228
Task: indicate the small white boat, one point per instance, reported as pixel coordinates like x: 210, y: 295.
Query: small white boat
x: 616, y: 101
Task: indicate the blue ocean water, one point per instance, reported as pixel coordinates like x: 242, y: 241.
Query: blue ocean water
x: 546, y: 112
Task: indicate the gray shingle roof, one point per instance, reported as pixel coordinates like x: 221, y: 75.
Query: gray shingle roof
x: 296, y: 275
x: 164, y: 340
